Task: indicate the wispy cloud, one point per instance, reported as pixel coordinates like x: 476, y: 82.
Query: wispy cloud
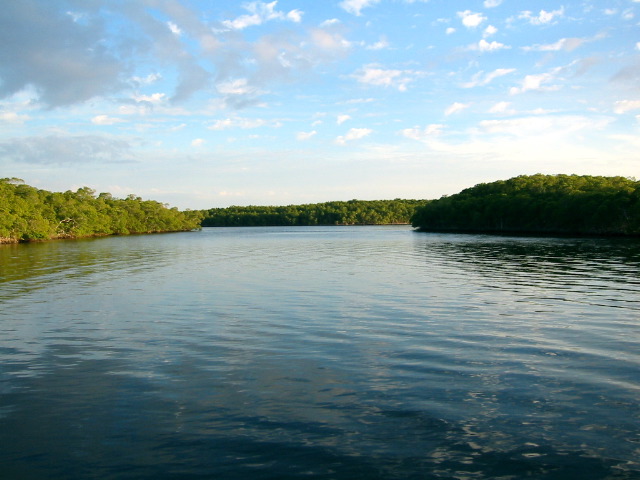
x: 149, y: 79
x: 151, y: 99
x: 456, y: 107
x: 106, y: 120
x: 353, y: 134
x: 624, y: 106
x: 565, y: 44
x: 305, y: 135
x: 67, y: 149
x: 242, y: 123
x: 13, y: 117
x: 421, y: 134
x: 530, y: 126
x: 481, y: 79
x: 541, y: 18
x: 381, y: 77
x: 537, y: 82
x: 484, y: 46
x: 502, y: 108
x: 260, y: 12
x: 379, y: 45
x: 355, y: 6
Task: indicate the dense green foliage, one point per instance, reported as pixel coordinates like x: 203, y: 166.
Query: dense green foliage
x: 27, y: 213
x: 563, y: 204
x: 352, y: 212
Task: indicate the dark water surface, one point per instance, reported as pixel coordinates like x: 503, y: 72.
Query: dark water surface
x: 336, y: 353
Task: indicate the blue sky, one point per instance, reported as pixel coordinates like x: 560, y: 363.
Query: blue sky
x: 213, y: 103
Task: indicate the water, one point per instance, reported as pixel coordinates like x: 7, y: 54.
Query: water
x: 321, y: 352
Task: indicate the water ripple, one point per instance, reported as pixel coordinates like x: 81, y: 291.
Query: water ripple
x: 343, y: 352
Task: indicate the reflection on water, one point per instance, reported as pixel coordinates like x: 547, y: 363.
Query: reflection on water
x: 342, y: 352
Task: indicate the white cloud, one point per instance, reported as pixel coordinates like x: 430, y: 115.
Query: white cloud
x: 174, y: 28
x: 502, y: 108
x: 13, y: 117
x: 455, y: 108
x: 373, y: 75
x: 484, y: 46
x: 154, y: 98
x: 499, y: 72
x: 624, y: 106
x: 490, y: 30
x: 541, y: 141
x: 480, y: 79
x: 63, y: 58
x: 421, y: 134
x: 543, y: 17
x: 353, y: 134
x: 353, y: 101
x: 295, y: 16
x: 491, y: 3
x: 638, y: 46
x: 532, y: 126
x: 328, y: 41
x: 197, y: 142
x: 225, y: 193
x: 305, y: 135
x: 238, y: 86
x: 342, y: 118
x: 149, y: 79
x: 260, y: 12
x: 450, y: 30
x: 243, y: 123
x: 471, y: 19
x: 67, y: 149
x: 355, y: 6
x: 330, y: 23
x: 537, y: 82
x: 379, y: 45
x: 105, y: 120
x: 566, y: 44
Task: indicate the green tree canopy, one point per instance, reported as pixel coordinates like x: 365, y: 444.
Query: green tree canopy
x: 27, y: 213
x: 352, y: 212
x: 564, y: 204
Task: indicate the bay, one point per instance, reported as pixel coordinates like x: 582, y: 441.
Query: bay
x: 320, y: 352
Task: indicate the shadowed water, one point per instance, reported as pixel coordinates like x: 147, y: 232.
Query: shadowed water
x: 321, y: 352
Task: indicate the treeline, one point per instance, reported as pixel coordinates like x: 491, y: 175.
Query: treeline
x: 28, y: 213
x: 554, y: 204
x: 352, y: 212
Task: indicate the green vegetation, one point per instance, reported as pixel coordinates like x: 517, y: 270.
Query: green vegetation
x: 352, y: 212
x: 553, y: 204
x: 550, y: 204
x: 27, y: 214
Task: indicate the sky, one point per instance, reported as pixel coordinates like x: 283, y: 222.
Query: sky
x: 211, y: 103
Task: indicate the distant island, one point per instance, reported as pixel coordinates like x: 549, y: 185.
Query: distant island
x: 30, y: 214
x: 352, y: 212
x: 538, y: 204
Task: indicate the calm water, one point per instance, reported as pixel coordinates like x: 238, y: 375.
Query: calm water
x: 335, y: 353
